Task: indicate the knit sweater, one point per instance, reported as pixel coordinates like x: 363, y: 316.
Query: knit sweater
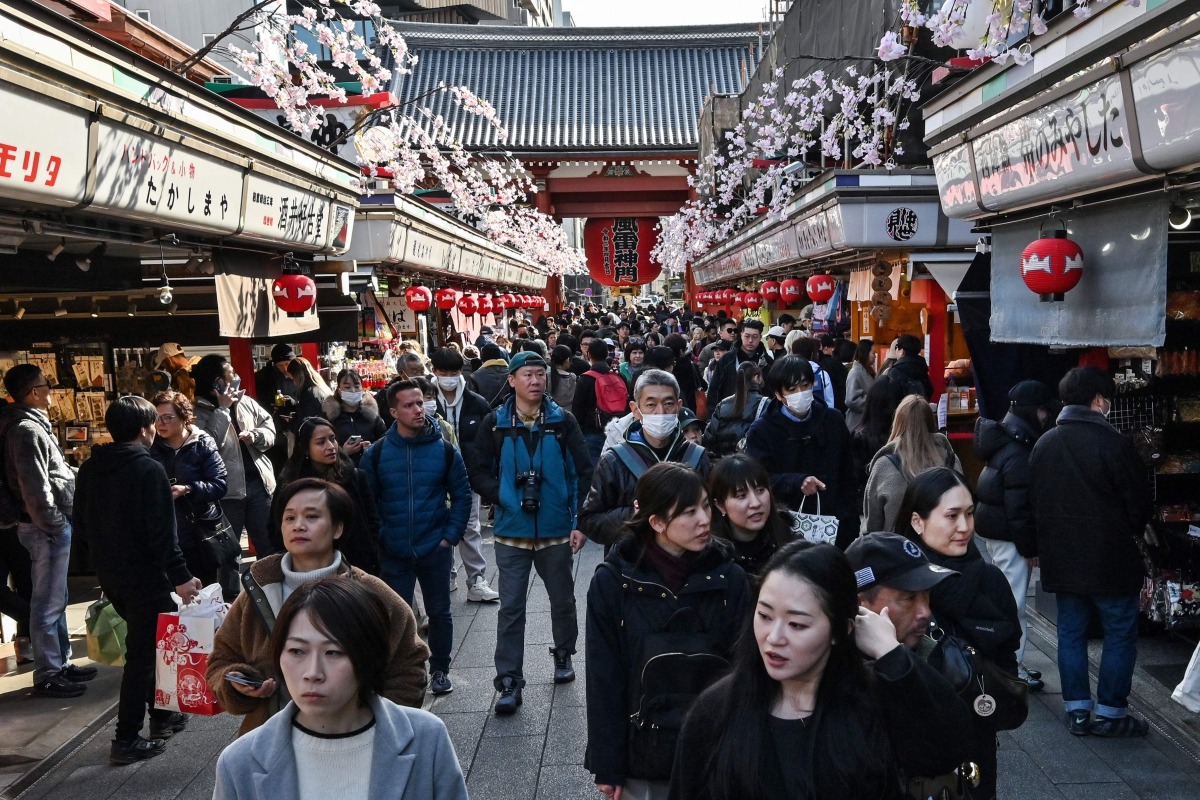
x: 886, y: 485
x: 326, y: 761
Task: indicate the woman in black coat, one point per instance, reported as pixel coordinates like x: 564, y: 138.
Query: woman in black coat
x: 937, y: 513
x: 670, y: 574
x: 353, y: 412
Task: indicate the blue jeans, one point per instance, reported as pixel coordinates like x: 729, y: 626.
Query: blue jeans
x: 1119, y: 616
x: 595, y: 443
x: 433, y: 572
x: 49, y: 553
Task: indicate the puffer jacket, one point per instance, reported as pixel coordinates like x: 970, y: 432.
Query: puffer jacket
x: 886, y: 484
x: 410, y: 481
x: 627, y: 605
x: 34, y: 467
x: 364, y: 421
x: 978, y: 606
x: 502, y: 451
x: 490, y: 381
x: 242, y: 644
x: 1002, y: 510
x: 609, y: 502
x: 252, y: 418
x: 725, y: 431
x: 198, y: 466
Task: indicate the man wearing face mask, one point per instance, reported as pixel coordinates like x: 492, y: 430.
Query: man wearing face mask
x: 654, y: 437
x: 464, y: 410
x: 1091, y: 499
x: 806, y: 447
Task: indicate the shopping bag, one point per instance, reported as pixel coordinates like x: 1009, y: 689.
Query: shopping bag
x: 1187, y: 693
x: 814, y: 527
x: 184, y: 643
x: 105, y: 633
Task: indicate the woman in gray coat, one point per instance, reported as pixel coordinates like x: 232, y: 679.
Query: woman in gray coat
x: 337, y: 731
x: 859, y: 382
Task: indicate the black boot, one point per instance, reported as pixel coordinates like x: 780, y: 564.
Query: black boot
x: 563, y: 672
x: 510, y: 697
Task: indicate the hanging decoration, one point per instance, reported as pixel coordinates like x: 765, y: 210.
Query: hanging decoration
x: 445, y: 299
x: 1052, y: 266
x: 486, y: 306
x: 752, y: 301
x: 790, y: 292
x: 294, y: 293
x: 820, y: 288
x: 468, y: 305
x: 770, y: 291
x: 618, y: 250
x: 418, y: 298
x: 739, y: 299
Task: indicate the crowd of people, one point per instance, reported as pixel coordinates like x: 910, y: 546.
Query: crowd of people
x: 787, y: 539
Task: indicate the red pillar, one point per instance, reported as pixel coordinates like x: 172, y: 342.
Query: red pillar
x: 241, y: 358
x: 312, y: 354
x: 936, y: 306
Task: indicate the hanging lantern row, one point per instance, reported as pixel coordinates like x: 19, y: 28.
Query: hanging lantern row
x: 422, y: 298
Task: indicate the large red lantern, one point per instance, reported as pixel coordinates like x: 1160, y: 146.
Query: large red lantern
x: 739, y: 299
x: 418, y: 298
x: 790, y: 292
x: 618, y: 250
x: 501, y: 302
x: 1052, y: 266
x: 728, y: 296
x: 753, y: 301
x: 294, y: 293
x: 820, y: 288
x: 445, y: 299
x: 485, y: 304
x: 770, y: 291
x: 468, y: 305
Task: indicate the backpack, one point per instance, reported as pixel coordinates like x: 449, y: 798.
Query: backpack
x: 375, y: 452
x: 629, y: 457
x: 612, y: 393
x: 675, y: 665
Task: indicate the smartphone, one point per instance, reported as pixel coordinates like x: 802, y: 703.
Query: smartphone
x: 236, y: 383
x: 253, y: 683
x: 354, y: 440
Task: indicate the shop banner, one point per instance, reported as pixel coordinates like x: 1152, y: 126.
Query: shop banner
x: 1122, y: 297
x: 1164, y: 90
x: 246, y: 310
x: 43, y: 148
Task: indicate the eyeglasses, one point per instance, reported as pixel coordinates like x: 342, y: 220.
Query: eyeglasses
x: 40, y: 386
x: 167, y: 419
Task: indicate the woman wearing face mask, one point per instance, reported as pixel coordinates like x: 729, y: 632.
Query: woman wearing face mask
x: 807, y: 446
x: 745, y: 515
x: 354, y: 414
x: 317, y: 455
x: 668, y: 578
x: 726, y: 431
x: 822, y: 702
x: 938, y: 513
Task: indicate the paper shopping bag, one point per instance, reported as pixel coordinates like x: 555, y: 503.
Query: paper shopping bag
x: 105, y: 633
x: 815, y: 528
x: 1187, y: 693
x: 184, y: 643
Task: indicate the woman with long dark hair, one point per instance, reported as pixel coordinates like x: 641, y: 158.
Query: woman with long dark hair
x: 668, y: 583
x: 734, y: 415
x: 802, y: 714
x: 354, y: 414
x: 938, y: 513
x: 739, y: 489
x: 878, y: 410
x: 859, y: 381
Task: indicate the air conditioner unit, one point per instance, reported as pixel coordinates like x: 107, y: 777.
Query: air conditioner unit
x: 226, y: 79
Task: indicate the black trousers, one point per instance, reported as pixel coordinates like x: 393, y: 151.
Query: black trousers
x: 14, y: 562
x: 140, y: 609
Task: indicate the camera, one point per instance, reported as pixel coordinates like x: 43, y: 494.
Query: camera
x: 528, y: 481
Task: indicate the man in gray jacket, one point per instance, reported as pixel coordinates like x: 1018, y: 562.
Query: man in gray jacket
x: 44, y: 486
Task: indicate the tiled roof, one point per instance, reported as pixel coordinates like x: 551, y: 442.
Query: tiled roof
x: 580, y: 90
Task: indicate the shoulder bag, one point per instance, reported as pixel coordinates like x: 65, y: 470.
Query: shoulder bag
x: 998, y: 700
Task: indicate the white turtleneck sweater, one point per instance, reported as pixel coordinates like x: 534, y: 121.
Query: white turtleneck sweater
x: 292, y: 579
x: 329, y: 766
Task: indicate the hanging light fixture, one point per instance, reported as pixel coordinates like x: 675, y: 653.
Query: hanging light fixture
x: 165, y: 295
x: 96, y: 308
x: 171, y: 309
x: 58, y: 248
x: 61, y: 311
x: 1179, y: 217
x: 18, y: 309
x: 85, y: 262
x: 131, y: 309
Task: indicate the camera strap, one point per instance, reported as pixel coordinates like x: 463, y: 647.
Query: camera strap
x: 535, y: 436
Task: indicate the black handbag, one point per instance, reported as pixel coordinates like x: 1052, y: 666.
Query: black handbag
x: 218, y: 543
x: 998, y: 700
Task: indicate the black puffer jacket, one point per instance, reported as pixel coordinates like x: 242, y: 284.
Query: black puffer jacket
x: 364, y: 421
x: 609, y: 503
x: 977, y: 606
x: 725, y: 430
x: 623, y: 611
x: 724, y: 379
x: 1002, y: 510
x: 198, y: 466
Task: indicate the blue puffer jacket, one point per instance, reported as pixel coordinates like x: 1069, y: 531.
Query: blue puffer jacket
x: 197, y: 465
x: 411, y: 484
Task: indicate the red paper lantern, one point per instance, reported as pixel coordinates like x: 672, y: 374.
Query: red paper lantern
x: 739, y: 299
x: 790, y: 291
x: 820, y: 288
x: 418, y: 298
x: 618, y: 250
x: 445, y: 299
x: 1052, y: 266
x: 770, y: 291
x: 752, y: 301
x: 728, y: 296
x: 485, y: 304
x: 501, y: 302
x: 294, y: 293
x: 468, y: 305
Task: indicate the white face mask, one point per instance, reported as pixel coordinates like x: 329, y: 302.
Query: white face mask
x: 430, y: 407
x: 449, y: 384
x: 660, y: 426
x: 1107, y: 407
x: 352, y: 398
x: 800, y: 402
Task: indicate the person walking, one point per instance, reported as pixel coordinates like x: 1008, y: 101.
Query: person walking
x: 723, y: 381
x: 311, y: 391
x: 43, y: 485
x: 124, y: 509
x: 600, y: 397
x: 1091, y: 498
x: 910, y: 372
x: 733, y: 416
x: 276, y: 392
x: 745, y: 514
x: 530, y: 461
x: 354, y: 414
x: 488, y: 381
x: 859, y: 381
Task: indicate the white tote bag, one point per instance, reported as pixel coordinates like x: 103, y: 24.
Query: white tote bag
x: 815, y: 528
x: 1187, y: 693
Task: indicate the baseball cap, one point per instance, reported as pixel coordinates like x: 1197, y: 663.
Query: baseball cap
x: 889, y: 559
x: 168, y: 350
x: 525, y: 358
x: 282, y: 352
x: 777, y: 332
x: 688, y: 417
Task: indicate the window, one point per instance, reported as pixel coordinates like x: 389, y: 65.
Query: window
x: 144, y: 13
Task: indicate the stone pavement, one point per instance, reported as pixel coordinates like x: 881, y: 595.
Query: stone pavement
x: 537, y: 754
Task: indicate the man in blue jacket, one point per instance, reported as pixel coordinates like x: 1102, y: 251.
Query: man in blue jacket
x: 420, y: 484
x: 530, y: 461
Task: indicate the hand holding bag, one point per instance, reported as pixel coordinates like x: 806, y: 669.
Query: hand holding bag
x: 997, y: 699
x: 815, y: 528
x: 105, y: 633
x: 184, y: 643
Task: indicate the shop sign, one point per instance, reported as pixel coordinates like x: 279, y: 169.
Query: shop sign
x: 422, y: 250
x: 1074, y: 144
x: 43, y: 148
x: 1164, y: 90
x: 778, y: 248
x: 956, y: 182
x: 901, y: 224
x: 403, y: 318
x: 148, y: 178
x: 284, y: 213
x: 470, y: 263
x: 812, y: 235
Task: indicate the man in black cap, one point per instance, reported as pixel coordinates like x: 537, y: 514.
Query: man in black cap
x: 272, y: 381
x: 490, y: 381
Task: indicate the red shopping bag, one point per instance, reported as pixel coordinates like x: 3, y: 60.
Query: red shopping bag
x: 184, y: 643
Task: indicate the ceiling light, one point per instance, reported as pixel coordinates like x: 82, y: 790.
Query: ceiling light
x: 171, y: 309
x: 58, y: 248
x: 207, y: 266
x: 61, y: 311
x: 165, y: 295
x: 1179, y: 217
x: 85, y: 262
x: 18, y: 310
x: 95, y: 308
x: 192, y: 263
x: 131, y: 310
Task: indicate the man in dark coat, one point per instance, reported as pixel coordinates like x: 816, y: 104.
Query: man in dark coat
x: 123, y: 508
x: 490, y: 381
x: 835, y: 369
x: 724, y: 379
x: 910, y: 369
x: 1091, y: 499
x: 271, y: 379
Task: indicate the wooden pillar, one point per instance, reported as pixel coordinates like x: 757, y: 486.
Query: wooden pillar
x: 241, y: 358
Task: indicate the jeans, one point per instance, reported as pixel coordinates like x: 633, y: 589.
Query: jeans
x: 470, y: 547
x: 1119, y: 616
x: 140, y: 611
x: 595, y: 444
x: 49, y: 553
x: 1016, y: 569
x: 553, y: 565
x: 253, y: 514
x: 433, y: 573
x: 14, y: 561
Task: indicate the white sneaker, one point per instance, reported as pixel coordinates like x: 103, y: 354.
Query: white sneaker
x: 453, y: 579
x: 480, y: 592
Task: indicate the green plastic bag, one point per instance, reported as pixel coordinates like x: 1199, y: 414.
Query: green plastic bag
x: 105, y: 633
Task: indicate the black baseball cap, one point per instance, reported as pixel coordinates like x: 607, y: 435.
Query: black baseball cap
x: 889, y: 559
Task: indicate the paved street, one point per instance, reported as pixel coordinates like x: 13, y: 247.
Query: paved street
x: 538, y: 753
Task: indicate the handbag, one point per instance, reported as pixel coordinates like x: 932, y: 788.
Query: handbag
x: 815, y: 528
x: 219, y: 545
x: 105, y: 633
x: 998, y: 700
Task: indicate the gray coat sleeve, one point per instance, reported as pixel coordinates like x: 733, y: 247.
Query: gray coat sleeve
x: 30, y: 456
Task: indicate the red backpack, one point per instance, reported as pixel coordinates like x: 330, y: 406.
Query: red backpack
x: 612, y: 395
